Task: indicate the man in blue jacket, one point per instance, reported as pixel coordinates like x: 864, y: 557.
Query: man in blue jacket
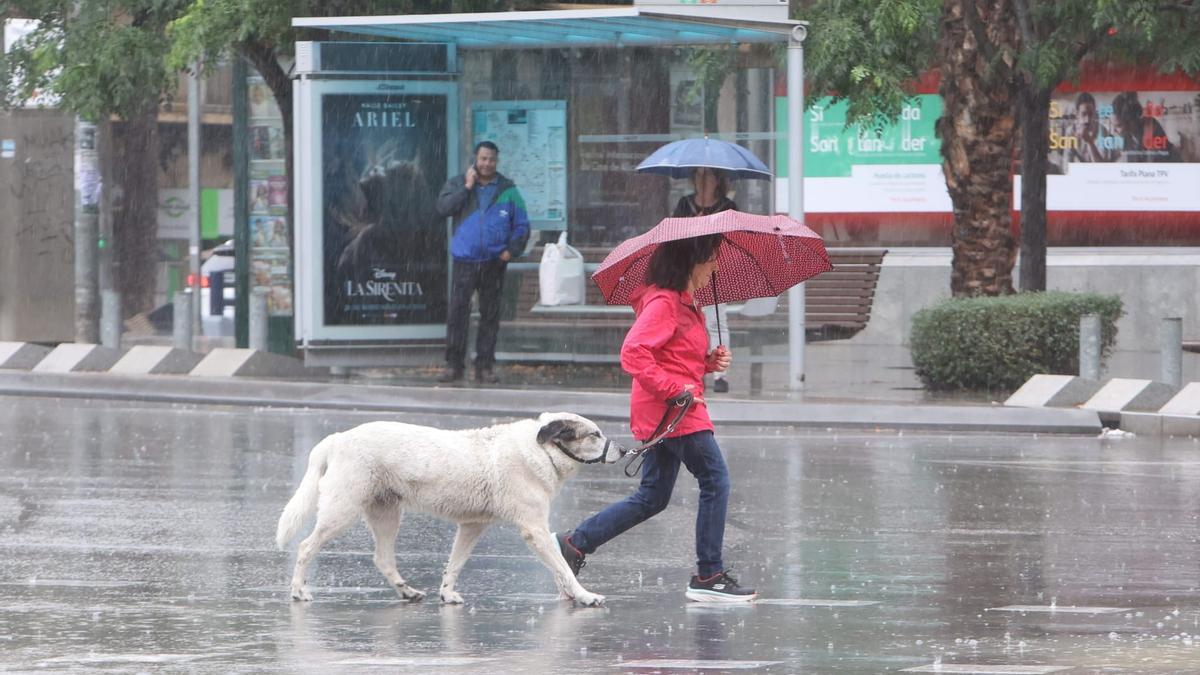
x: 490, y: 228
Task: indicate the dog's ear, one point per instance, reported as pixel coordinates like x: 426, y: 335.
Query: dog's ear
x: 556, y: 430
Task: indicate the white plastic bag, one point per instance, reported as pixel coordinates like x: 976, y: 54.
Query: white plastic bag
x: 561, y: 274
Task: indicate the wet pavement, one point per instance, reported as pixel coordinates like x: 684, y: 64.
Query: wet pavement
x: 139, y: 537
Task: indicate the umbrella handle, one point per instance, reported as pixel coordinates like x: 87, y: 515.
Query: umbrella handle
x: 716, y: 310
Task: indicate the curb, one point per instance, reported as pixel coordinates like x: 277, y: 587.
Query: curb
x: 600, y: 406
x: 146, y: 359
x: 1141, y: 406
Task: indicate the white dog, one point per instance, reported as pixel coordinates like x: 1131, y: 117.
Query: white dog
x: 474, y: 477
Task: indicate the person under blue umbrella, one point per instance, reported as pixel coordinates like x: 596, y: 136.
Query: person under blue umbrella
x: 711, y: 164
x: 710, y: 195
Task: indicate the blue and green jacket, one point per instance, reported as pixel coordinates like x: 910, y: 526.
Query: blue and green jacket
x: 483, y: 231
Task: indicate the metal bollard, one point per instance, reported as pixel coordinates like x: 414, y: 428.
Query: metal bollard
x: 110, y: 319
x: 1172, y: 351
x: 1089, y: 346
x: 182, y: 320
x: 258, y: 319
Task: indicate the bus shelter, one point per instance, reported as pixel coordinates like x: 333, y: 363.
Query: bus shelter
x: 574, y: 98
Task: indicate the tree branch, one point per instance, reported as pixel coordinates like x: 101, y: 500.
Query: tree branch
x: 1088, y: 45
x: 1027, y: 35
x: 267, y: 65
x: 1183, y: 6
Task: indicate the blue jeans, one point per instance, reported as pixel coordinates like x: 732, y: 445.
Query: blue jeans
x: 701, y: 455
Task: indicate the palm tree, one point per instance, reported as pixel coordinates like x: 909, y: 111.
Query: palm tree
x: 978, y: 130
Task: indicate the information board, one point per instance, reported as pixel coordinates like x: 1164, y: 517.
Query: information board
x: 532, y: 137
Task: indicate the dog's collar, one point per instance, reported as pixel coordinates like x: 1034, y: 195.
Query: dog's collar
x: 596, y: 460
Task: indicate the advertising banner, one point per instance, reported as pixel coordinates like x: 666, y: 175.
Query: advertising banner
x: 1108, y: 151
x: 270, y: 258
x: 1124, y: 151
x: 384, y: 246
x: 889, y: 169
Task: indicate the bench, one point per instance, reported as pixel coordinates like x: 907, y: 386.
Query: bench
x: 837, y: 305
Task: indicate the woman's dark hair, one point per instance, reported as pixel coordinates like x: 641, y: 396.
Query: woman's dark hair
x: 672, y: 262
x: 723, y: 182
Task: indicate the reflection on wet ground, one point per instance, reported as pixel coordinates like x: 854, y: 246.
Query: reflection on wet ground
x: 139, y: 537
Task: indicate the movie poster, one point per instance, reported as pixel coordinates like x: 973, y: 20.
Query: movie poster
x: 384, y: 163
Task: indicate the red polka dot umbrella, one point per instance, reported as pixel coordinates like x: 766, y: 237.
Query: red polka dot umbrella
x: 761, y: 257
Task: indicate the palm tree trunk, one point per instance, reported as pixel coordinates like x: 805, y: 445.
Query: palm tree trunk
x: 977, y: 130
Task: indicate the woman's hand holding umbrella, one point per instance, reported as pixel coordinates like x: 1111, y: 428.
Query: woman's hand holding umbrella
x: 720, y: 358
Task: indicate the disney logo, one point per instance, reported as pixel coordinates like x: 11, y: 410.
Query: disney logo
x: 381, y: 273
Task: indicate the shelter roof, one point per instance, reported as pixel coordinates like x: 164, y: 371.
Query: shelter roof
x: 612, y: 27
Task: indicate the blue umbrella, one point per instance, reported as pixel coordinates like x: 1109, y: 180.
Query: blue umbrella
x: 680, y: 158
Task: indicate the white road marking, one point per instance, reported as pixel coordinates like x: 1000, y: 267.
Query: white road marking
x: 815, y: 602
x: 985, y: 669
x: 696, y: 664
x: 1055, y: 609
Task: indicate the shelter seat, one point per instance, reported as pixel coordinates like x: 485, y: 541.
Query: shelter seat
x: 837, y: 305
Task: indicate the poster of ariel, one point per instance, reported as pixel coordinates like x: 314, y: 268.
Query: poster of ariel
x: 383, y: 160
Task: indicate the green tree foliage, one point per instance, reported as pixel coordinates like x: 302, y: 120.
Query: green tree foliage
x: 98, y: 57
x: 870, y: 53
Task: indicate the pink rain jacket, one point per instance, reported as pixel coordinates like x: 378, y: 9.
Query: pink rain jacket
x: 666, y: 348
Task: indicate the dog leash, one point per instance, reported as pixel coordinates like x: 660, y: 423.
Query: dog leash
x: 680, y: 404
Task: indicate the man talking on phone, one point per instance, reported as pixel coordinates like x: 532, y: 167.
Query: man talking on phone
x: 490, y: 228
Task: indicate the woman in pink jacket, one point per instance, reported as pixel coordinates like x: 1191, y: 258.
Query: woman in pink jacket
x: 666, y: 352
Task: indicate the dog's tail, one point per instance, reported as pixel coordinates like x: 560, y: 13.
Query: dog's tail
x: 304, y: 502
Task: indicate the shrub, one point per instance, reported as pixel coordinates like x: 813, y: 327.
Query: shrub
x: 1000, y: 342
